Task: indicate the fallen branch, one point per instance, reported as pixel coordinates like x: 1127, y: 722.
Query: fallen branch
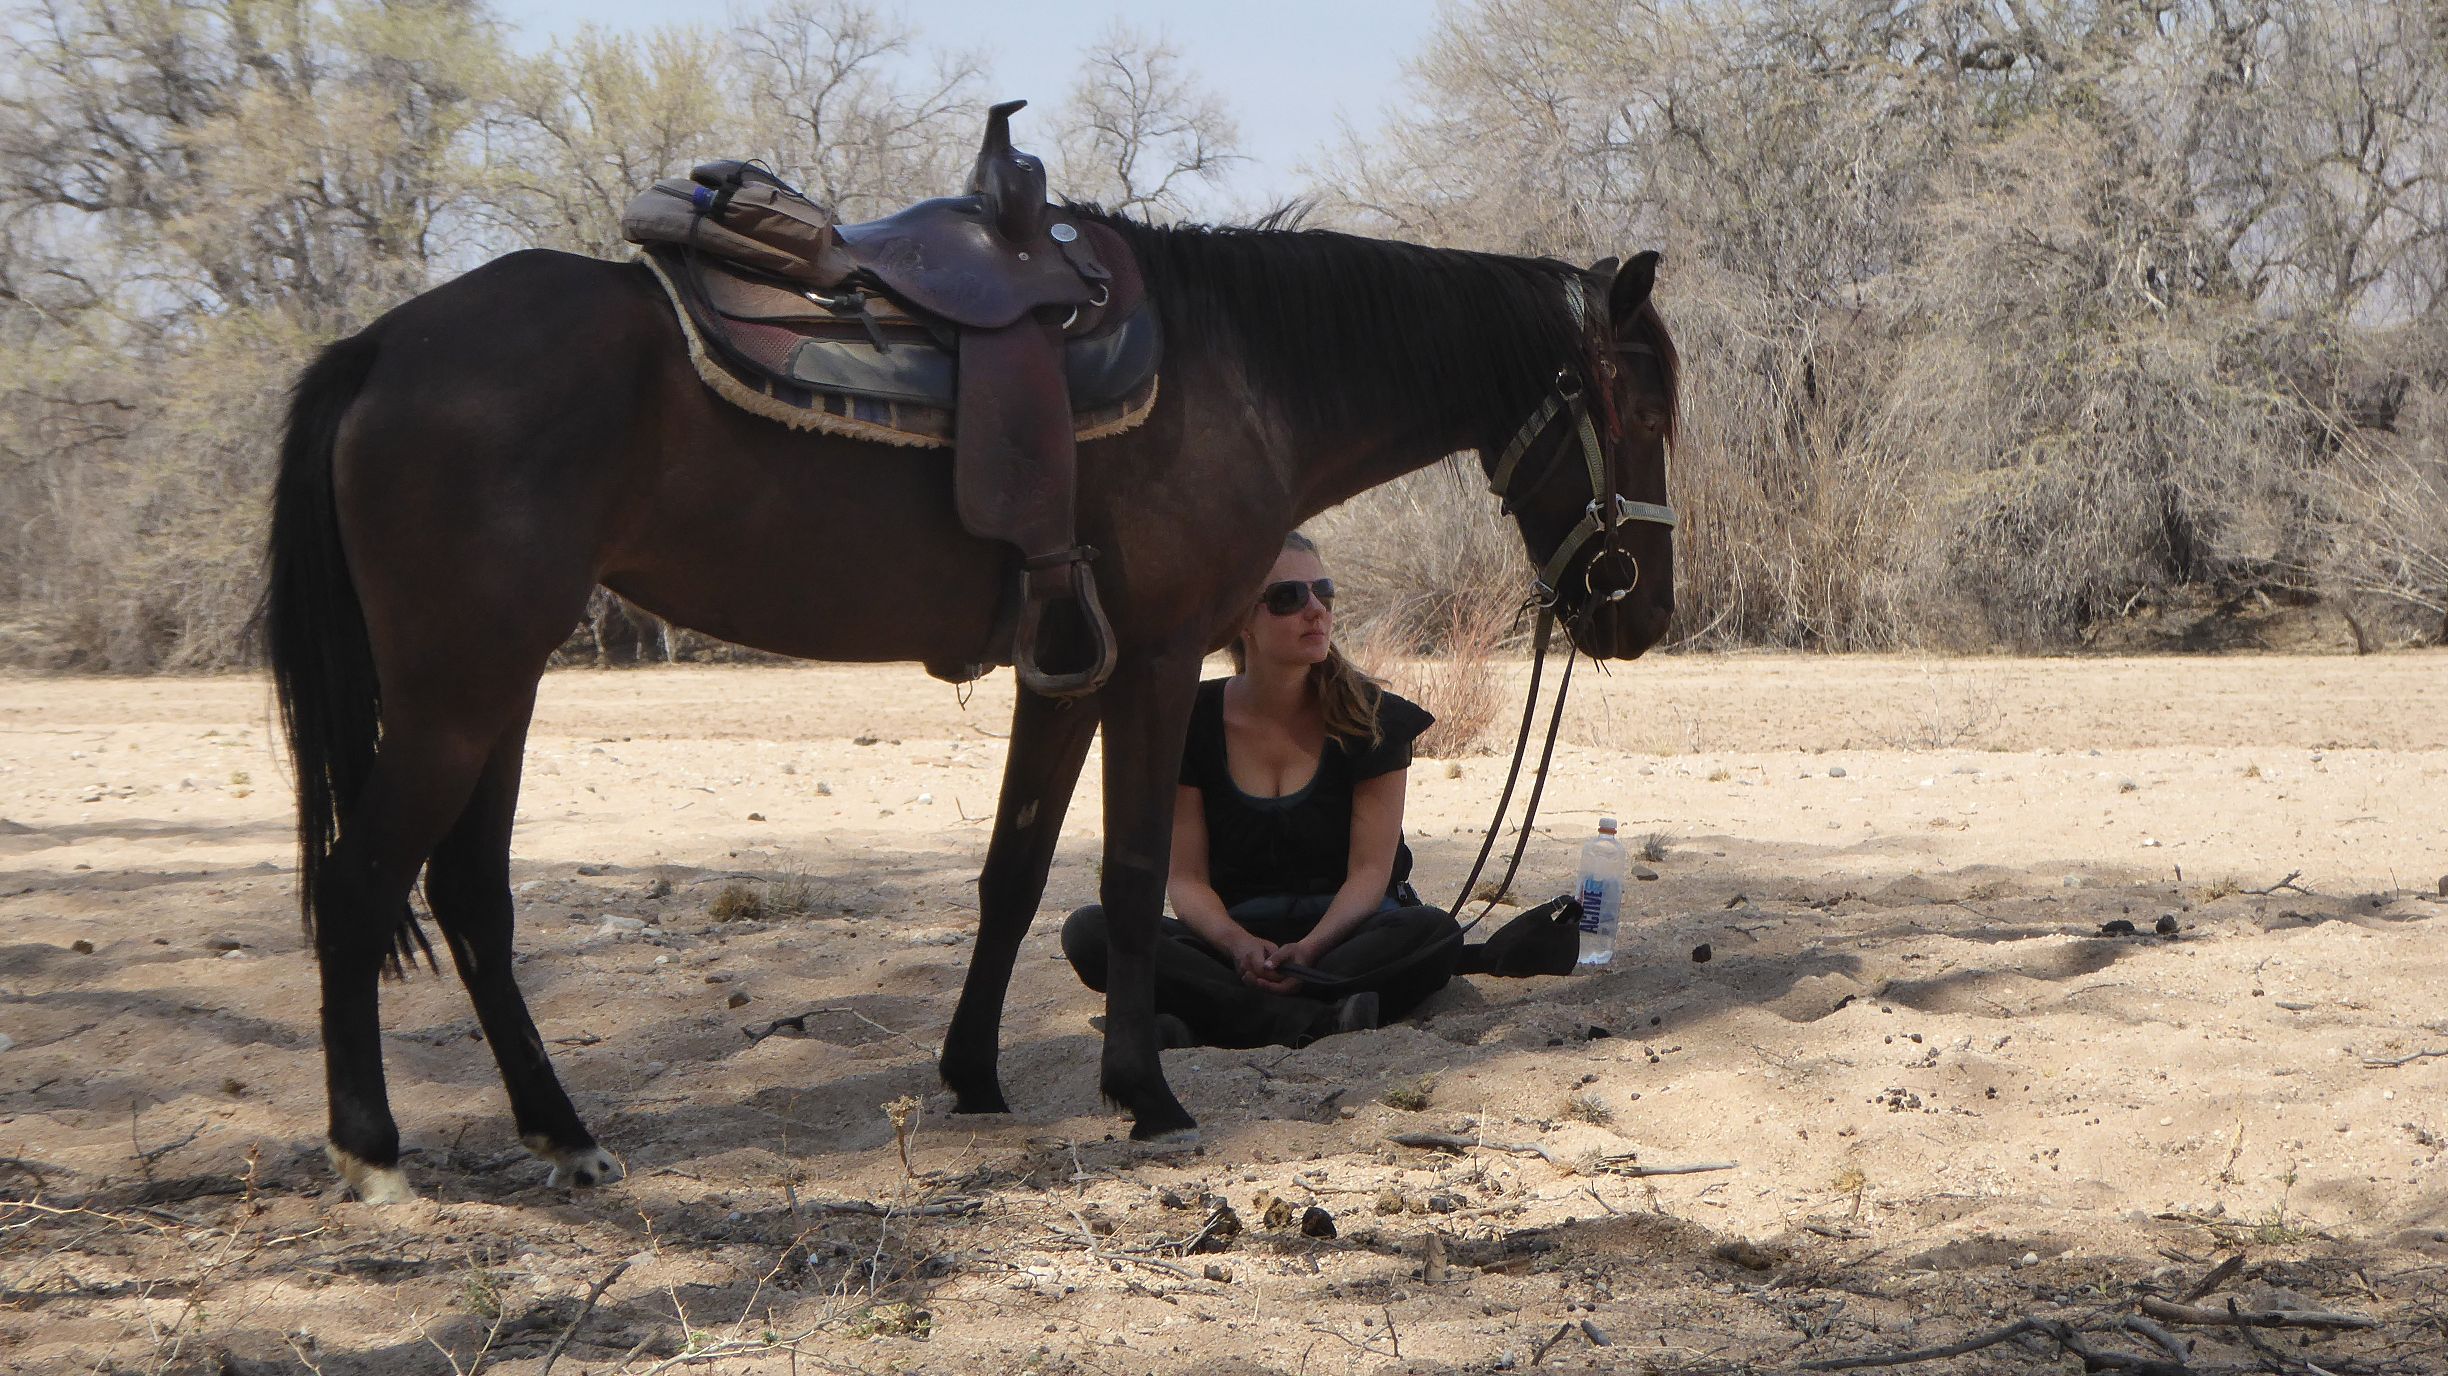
x: 2217, y: 1277
x: 561, y: 1343
x: 2168, y: 1342
x: 2232, y: 1317
x: 1626, y: 1165
x: 1539, y: 1354
x: 1457, y: 1143
x: 2286, y: 883
x: 2064, y: 1334
x: 944, y: 1208
x: 1931, y: 1354
x: 2392, y: 1062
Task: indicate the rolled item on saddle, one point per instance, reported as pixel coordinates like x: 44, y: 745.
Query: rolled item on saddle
x: 742, y: 213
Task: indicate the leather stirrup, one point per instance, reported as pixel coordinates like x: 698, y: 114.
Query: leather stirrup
x: 1046, y: 582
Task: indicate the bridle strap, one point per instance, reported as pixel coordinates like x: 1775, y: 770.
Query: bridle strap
x: 1521, y: 748
x: 1500, y: 481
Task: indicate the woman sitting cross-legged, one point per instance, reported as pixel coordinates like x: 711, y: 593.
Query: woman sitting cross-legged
x: 1294, y: 919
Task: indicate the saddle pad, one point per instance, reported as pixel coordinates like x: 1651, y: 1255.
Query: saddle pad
x: 813, y: 372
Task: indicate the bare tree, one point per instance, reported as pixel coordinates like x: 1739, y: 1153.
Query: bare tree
x: 1139, y: 129
x: 840, y: 103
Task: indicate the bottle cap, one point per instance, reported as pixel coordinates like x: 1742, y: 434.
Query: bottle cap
x: 1607, y: 825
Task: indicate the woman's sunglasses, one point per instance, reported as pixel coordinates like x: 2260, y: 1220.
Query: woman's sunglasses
x: 1292, y: 595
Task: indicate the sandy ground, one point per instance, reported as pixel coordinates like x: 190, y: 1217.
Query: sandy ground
x: 1952, y: 1101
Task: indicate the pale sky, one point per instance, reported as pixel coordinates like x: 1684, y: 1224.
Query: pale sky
x: 1289, y: 69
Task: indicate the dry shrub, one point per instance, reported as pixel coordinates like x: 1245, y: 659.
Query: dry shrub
x: 1423, y: 558
x: 1460, y: 681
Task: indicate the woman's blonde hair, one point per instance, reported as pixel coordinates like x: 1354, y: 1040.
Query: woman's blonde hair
x: 1347, y: 698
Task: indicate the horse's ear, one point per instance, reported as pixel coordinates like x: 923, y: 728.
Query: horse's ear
x: 1632, y: 283
x: 1605, y: 267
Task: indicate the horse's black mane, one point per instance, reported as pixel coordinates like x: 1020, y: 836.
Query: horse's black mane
x: 1340, y: 329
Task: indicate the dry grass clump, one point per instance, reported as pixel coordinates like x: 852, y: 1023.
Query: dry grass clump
x: 790, y: 895
x: 1411, y: 1096
x: 1584, y: 1106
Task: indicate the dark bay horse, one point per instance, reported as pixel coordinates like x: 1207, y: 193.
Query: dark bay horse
x: 457, y: 477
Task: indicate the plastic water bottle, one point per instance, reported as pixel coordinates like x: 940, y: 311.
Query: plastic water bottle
x: 1601, y: 892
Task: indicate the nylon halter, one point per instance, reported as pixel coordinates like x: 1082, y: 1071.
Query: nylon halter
x: 1567, y: 402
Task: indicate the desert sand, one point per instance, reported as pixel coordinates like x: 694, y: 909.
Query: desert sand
x: 1949, y: 1100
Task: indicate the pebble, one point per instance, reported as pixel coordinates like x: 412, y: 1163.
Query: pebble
x: 616, y: 925
x: 81, y: 946
x: 2149, y: 842
x: 2443, y: 885
x: 2031, y: 1259
x: 233, y: 955
x: 1643, y: 872
x: 6, y: 1041
x: 823, y: 789
x: 1836, y: 771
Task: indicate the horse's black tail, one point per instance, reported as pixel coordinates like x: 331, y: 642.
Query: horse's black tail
x: 314, y: 630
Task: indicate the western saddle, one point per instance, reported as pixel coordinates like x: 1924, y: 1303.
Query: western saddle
x: 1023, y: 327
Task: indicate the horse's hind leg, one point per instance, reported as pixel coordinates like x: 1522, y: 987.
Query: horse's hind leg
x: 421, y: 779
x: 1048, y: 742
x: 467, y: 882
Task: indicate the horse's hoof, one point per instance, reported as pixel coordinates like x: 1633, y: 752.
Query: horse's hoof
x: 1166, y: 1126
x: 991, y: 1101
x: 369, y: 1183
x: 575, y: 1168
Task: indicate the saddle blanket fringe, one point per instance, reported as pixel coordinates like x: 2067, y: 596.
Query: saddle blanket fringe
x: 802, y: 407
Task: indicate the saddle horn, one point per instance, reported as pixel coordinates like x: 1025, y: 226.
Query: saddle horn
x: 1010, y: 185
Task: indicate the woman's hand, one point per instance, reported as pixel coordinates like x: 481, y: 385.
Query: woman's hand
x: 1255, y: 958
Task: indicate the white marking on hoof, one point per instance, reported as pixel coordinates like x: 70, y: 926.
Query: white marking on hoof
x: 1179, y: 1139
x: 586, y: 1167
x: 370, y: 1183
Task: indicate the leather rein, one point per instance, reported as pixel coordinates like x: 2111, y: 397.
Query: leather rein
x: 1601, y: 521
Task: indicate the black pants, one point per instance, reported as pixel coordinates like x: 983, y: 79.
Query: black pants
x: 1198, y: 984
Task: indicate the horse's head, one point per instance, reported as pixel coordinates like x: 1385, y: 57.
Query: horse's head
x: 1585, y: 475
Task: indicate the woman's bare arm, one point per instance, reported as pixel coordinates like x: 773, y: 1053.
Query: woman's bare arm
x: 1376, y: 833
x: 1196, y: 902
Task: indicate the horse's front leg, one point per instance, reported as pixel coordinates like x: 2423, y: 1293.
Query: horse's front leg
x: 1049, y: 740
x: 1147, y: 714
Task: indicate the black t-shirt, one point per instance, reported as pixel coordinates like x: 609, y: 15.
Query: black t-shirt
x: 1299, y: 843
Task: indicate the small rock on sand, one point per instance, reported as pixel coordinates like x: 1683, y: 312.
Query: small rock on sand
x: 81, y: 946
x: 1836, y: 771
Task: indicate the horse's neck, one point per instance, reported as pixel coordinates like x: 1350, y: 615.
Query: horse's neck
x: 1337, y: 471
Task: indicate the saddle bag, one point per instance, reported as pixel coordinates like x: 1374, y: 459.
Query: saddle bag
x: 1545, y: 940
x: 737, y: 211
